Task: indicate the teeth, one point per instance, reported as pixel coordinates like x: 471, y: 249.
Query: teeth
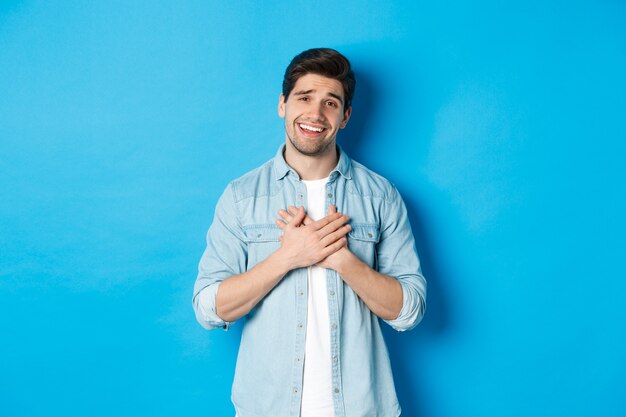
x: 311, y: 128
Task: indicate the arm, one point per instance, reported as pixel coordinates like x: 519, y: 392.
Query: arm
x: 381, y: 293
x: 225, y: 291
x: 239, y: 293
x: 397, y: 257
x: 301, y: 246
x: 397, y: 291
x: 225, y: 255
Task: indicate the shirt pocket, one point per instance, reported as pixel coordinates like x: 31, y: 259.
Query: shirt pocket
x: 362, y: 241
x: 262, y: 240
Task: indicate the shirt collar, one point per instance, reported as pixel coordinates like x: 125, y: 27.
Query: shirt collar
x: 281, y: 169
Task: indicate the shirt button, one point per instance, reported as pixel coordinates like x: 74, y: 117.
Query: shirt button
x: 301, y: 293
x: 336, y: 390
x: 331, y: 292
x: 299, y: 195
x: 370, y: 235
x: 334, y: 326
x: 330, y: 195
x: 295, y: 390
x: 334, y: 358
x: 300, y: 325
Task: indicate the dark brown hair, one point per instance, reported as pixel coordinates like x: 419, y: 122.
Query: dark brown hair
x: 325, y: 62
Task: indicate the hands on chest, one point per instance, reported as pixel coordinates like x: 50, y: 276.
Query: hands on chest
x: 307, y: 242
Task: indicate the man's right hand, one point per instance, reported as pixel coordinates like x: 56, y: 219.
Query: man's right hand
x: 305, y: 242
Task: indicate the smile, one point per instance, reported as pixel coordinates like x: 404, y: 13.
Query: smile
x: 311, y: 128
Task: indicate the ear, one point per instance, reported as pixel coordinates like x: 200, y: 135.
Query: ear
x: 281, y: 105
x: 346, y: 117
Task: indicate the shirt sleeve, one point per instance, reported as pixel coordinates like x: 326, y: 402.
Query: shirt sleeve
x: 225, y: 255
x: 397, y: 257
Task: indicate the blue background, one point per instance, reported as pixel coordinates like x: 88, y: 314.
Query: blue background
x: 503, y: 126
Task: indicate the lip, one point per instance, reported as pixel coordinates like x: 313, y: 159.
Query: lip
x: 310, y: 133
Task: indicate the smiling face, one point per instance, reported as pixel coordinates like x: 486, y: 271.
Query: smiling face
x: 314, y: 113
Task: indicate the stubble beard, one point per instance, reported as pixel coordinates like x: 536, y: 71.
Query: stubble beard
x: 317, y: 148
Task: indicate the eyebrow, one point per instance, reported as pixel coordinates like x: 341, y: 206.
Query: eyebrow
x: 305, y: 92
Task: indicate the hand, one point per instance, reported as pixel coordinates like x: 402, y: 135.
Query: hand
x: 333, y: 261
x: 338, y: 259
x: 290, y: 213
x: 306, y: 242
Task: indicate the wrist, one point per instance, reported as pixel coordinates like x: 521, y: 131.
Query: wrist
x: 281, y: 261
x: 347, y: 263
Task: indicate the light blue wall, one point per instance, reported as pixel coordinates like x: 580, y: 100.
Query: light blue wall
x: 504, y: 127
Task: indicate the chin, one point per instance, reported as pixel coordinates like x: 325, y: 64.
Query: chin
x: 316, y: 150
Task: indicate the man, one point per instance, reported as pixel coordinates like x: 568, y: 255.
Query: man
x: 311, y: 249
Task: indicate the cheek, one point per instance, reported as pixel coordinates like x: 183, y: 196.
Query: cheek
x: 337, y: 119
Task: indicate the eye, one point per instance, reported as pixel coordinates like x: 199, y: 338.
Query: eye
x: 303, y: 98
x: 330, y: 103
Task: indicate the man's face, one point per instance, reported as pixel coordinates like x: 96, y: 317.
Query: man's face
x: 314, y: 113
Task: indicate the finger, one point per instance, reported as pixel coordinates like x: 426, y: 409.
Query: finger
x: 336, y: 235
x: 307, y: 220
x: 319, y: 224
x: 281, y: 224
x: 333, y: 225
x: 285, y: 215
x: 330, y: 249
x: 337, y: 246
x: 332, y: 209
x: 297, y: 219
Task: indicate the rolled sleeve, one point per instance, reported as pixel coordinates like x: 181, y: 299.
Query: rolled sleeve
x: 397, y: 257
x: 206, y: 313
x: 225, y: 255
x: 413, y: 305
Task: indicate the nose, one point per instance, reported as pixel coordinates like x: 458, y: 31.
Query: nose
x: 316, y: 111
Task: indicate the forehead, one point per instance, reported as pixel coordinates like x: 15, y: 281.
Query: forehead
x: 318, y: 83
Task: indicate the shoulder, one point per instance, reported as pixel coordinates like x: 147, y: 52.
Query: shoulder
x: 253, y: 183
x: 368, y: 183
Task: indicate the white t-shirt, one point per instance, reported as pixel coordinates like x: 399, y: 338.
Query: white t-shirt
x: 317, y: 399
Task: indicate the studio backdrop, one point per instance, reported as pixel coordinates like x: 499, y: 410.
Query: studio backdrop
x: 503, y: 126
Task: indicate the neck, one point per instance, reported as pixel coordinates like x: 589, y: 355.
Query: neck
x: 311, y: 167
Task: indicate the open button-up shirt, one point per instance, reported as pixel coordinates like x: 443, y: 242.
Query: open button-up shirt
x: 269, y: 371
